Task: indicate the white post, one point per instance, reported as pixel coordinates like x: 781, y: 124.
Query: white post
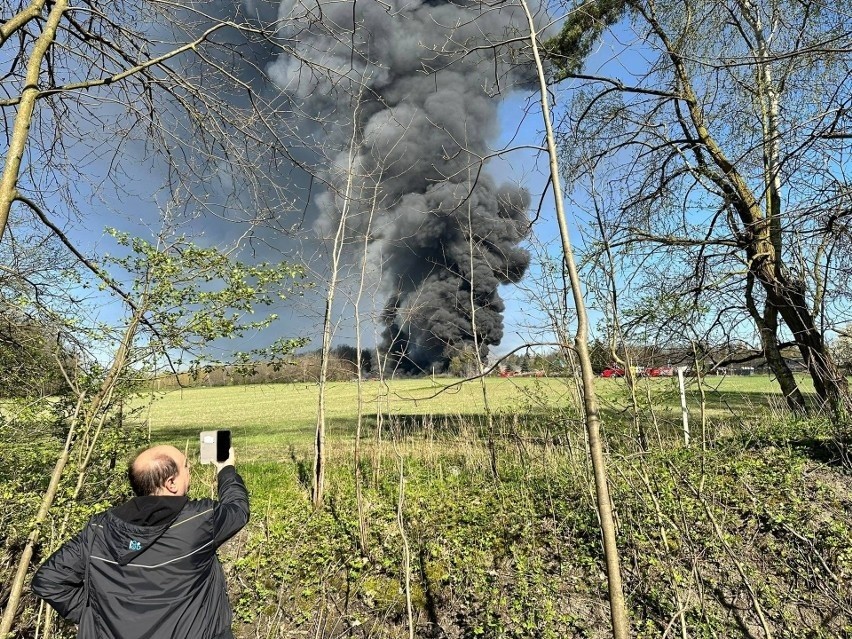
x: 683, y: 410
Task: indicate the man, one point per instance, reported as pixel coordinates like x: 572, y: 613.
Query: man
x: 148, y: 568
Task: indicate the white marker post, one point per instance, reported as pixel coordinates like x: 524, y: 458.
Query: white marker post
x: 683, y: 410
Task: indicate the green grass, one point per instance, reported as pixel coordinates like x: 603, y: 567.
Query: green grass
x: 270, y: 420
x: 278, y: 416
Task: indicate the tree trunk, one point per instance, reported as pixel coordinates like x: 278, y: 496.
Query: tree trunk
x: 617, y: 605
x: 767, y: 325
x: 829, y: 383
x: 26, y: 107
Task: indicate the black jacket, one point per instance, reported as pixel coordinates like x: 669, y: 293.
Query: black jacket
x: 148, y: 569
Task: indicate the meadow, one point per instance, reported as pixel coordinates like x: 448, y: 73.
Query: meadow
x: 268, y: 420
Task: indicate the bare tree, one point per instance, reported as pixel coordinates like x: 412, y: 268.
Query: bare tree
x: 337, y: 243
x: 92, y: 91
x: 723, y: 150
x: 359, y: 427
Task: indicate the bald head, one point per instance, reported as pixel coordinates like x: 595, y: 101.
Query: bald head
x: 161, y: 470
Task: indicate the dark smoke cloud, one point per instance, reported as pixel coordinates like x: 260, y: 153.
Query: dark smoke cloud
x: 416, y: 82
x: 440, y: 293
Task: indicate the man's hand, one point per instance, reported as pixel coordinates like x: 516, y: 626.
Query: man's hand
x: 228, y: 462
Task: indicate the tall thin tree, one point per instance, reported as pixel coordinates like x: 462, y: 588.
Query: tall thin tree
x: 618, y: 608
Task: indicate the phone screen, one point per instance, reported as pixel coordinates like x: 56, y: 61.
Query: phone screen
x: 223, y: 445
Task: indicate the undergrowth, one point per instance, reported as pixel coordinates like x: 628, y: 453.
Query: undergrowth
x: 745, y: 533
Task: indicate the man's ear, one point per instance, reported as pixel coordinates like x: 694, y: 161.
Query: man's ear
x: 171, y: 484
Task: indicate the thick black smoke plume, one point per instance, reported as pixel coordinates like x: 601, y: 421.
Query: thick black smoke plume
x: 447, y: 261
x: 405, y: 91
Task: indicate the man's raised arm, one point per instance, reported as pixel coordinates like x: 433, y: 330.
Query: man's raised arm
x: 231, y: 512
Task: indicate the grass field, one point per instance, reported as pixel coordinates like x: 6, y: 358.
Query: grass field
x: 267, y: 420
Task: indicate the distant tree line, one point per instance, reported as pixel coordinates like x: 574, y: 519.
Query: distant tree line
x: 700, y: 356
x: 32, y: 354
x: 302, y: 368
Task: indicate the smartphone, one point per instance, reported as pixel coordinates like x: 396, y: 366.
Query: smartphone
x: 215, y: 446
x: 223, y: 445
